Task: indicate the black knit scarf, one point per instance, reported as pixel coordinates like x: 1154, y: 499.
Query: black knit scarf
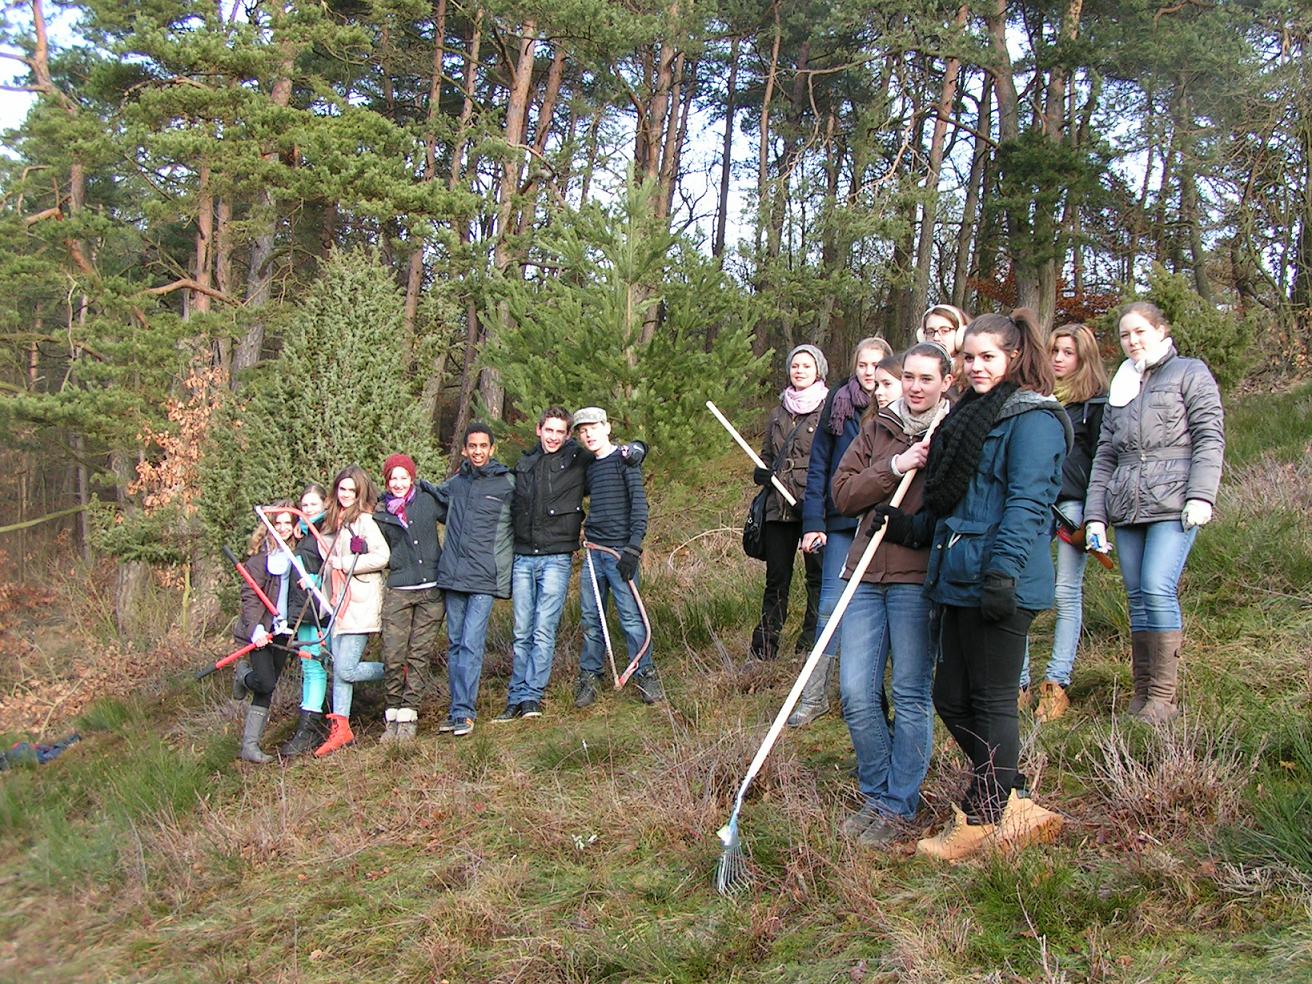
x: 955, y: 450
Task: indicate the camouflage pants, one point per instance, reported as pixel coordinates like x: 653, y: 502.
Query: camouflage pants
x: 411, y: 620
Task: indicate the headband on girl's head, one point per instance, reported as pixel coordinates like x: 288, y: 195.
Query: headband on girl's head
x: 952, y: 314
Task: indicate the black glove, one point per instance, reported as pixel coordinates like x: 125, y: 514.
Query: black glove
x: 628, y: 564
x: 761, y: 476
x: 997, y: 598
x: 911, y: 530
x: 633, y: 452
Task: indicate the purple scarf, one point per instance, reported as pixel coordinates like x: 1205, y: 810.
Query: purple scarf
x: 850, y: 400
x: 801, y: 402
x: 396, y: 506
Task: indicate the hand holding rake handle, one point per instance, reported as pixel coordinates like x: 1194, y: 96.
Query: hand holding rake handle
x: 732, y: 871
x: 756, y: 459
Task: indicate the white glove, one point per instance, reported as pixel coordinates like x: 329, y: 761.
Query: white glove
x: 260, y: 636
x: 280, y: 627
x: 1095, y: 537
x: 1196, y: 513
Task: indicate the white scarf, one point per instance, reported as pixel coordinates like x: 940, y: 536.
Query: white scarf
x: 1129, y: 377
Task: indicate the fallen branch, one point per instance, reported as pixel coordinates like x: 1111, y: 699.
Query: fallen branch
x: 27, y: 523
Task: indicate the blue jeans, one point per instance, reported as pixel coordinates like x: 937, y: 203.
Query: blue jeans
x: 837, y: 544
x: 1068, y: 594
x: 348, y: 670
x: 609, y: 584
x: 466, y: 626
x: 538, y: 586
x: 890, y: 762
x: 1152, y: 560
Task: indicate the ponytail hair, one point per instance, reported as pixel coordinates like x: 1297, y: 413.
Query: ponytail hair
x: 1030, y: 367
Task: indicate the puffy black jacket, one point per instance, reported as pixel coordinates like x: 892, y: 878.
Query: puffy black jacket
x: 415, y: 548
x: 548, y: 506
x: 479, y: 552
x: 1086, y: 420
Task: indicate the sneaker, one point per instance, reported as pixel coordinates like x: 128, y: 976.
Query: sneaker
x: 882, y: 832
x: 855, y: 825
x: 463, y: 727
x: 511, y: 713
x: 446, y: 727
x: 585, y: 689
x: 530, y: 709
x: 649, y: 686
x: 804, y: 714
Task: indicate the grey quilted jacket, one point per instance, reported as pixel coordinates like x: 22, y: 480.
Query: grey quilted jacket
x: 1161, y: 448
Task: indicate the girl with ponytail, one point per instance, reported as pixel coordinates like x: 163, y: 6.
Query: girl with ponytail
x: 991, y: 477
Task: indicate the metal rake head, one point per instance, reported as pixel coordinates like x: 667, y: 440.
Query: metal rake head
x: 731, y: 873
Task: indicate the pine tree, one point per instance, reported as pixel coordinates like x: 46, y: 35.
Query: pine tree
x: 339, y: 394
x: 576, y: 338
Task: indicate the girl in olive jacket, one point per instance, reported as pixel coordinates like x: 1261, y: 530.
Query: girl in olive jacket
x: 789, y: 432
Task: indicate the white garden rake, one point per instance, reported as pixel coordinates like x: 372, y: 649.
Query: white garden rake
x: 731, y: 873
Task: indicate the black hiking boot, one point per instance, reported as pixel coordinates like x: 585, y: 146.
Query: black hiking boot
x: 585, y: 689
x: 309, y: 734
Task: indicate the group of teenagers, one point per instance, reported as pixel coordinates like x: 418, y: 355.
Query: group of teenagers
x: 1012, y: 439
x: 342, y: 565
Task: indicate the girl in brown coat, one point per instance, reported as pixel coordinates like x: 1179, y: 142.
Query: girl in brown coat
x: 787, y: 451
x: 890, y: 604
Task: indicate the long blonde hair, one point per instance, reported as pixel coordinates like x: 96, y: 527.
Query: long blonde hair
x: 1090, y: 376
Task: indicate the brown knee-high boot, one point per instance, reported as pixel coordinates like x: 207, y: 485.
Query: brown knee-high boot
x: 1163, y: 674
x: 1139, y: 671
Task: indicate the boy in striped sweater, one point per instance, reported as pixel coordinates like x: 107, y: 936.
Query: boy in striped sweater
x: 617, y: 520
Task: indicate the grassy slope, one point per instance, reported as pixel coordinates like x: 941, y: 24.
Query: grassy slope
x: 581, y: 847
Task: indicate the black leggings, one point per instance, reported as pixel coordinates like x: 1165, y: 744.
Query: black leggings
x: 781, y: 541
x: 266, y: 668
x: 975, y: 695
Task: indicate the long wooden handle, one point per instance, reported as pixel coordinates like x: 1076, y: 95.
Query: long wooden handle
x: 756, y: 458
x: 831, y: 627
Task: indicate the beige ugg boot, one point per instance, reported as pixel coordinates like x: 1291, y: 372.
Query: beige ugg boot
x: 407, y: 724
x: 389, y: 726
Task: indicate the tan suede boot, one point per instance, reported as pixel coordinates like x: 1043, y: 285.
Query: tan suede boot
x: 1164, y: 668
x: 1024, y: 822
x: 960, y: 839
x: 1053, y: 702
x: 1139, y: 670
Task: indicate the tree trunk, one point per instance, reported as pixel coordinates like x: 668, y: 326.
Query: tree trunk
x: 414, y: 279
x: 929, y: 211
x: 763, y: 158
x: 726, y: 156
x: 490, y: 388
x: 1019, y: 244
x: 970, y: 212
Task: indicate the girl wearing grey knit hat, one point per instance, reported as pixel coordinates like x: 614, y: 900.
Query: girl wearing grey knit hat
x: 787, y: 453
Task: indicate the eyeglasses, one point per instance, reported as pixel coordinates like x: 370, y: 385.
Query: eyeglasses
x: 942, y: 331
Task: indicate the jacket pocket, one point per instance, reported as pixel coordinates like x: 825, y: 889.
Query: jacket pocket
x: 968, y: 543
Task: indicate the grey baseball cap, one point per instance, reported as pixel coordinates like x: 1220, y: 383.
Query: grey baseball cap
x: 589, y: 415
